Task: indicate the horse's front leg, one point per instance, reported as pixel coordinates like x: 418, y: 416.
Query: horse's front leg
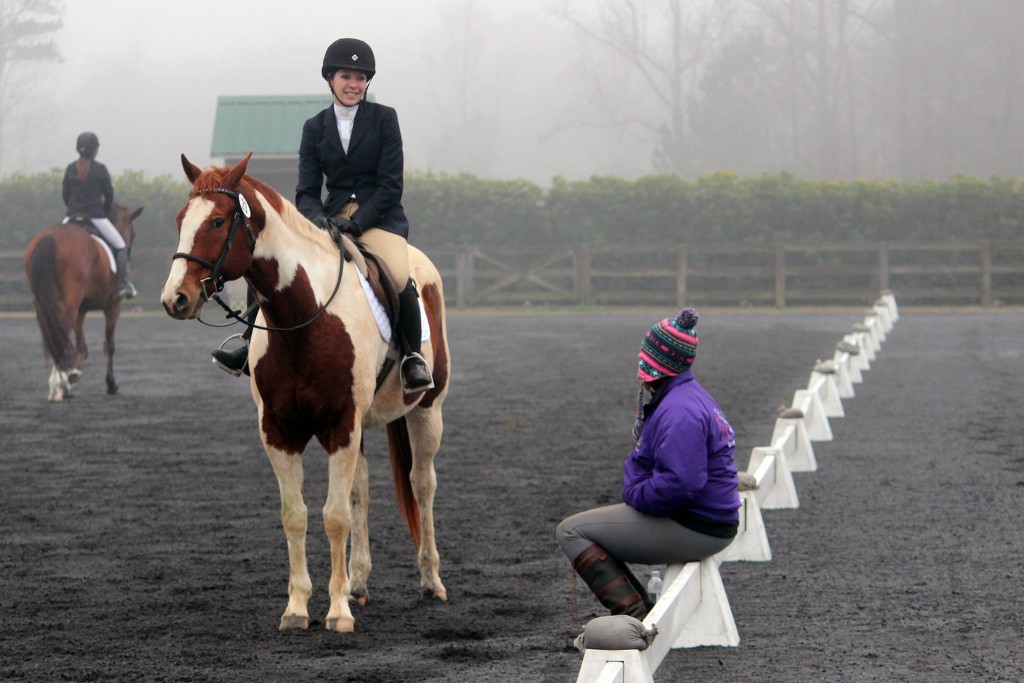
x: 110, y: 317
x: 338, y: 517
x: 288, y: 468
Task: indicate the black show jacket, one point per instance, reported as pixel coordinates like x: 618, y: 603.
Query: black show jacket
x: 371, y: 171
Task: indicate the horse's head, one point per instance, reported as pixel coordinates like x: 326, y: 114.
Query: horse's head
x: 217, y: 231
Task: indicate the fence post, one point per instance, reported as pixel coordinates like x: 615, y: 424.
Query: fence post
x: 780, y: 277
x: 463, y: 277
x: 883, y: 267
x: 986, y: 274
x: 682, y: 256
x: 583, y: 287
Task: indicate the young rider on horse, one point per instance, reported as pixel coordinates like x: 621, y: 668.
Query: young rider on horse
x: 88, y: 191
x: 679, y: 494
x: 356, y: 146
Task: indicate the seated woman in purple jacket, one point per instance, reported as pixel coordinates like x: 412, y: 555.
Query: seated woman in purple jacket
x: 680, y: 501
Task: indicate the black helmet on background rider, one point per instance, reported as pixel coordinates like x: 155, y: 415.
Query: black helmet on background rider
x: 87, y: 144
x: 348, y: 53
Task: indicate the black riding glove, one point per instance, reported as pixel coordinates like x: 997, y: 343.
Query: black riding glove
x: 348, y: 225
x: 330, y: 226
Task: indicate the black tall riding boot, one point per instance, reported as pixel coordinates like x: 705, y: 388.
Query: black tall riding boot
x: 236, y: 361
x: 612, y: 582
x: 125, y: 289
x: 415, y: 373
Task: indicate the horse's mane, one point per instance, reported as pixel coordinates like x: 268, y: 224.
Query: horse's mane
x: 213, y: 178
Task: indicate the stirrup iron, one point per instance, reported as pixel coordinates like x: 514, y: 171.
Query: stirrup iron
x: 234, y: 372
x: 428, y: 382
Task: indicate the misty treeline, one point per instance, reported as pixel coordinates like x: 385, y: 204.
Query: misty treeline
x: 720, y: 208
x: 824, y: 89
x: 27, y: 29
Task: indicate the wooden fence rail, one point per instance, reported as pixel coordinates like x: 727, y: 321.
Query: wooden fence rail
x: 986, y: 273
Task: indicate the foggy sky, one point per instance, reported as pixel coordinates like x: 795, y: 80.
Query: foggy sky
x: 145, y: 76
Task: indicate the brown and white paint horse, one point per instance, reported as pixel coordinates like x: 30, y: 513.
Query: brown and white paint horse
x: 317, y: 381
x: 69, y: 274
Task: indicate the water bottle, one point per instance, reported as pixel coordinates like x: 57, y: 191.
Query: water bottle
x: 654, y: 586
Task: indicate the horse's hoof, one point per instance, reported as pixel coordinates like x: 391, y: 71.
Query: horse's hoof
x: 439, y: 594
x: 288, y: 623
x: 359, y: 597
x: 112, y: 391
x: 341, y: 624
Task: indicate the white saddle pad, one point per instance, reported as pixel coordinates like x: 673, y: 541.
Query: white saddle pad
x: 110, y: 254
x: 381, y: 316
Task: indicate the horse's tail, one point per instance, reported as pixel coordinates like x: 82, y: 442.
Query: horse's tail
x: 41, y: 269
x: 400, y: 447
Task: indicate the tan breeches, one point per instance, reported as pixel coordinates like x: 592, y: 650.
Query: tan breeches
x: 392, y: 249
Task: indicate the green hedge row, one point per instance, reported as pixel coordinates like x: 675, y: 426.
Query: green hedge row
x: 448, y: 210
x: 716, y: 209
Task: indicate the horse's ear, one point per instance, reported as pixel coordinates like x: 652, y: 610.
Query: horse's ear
x: 191, y: 170
x: 137, y: 212
x: 234, y: 176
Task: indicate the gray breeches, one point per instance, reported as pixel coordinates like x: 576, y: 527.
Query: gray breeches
x: 632, y: 536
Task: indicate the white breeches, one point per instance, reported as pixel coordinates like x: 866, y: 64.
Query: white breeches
x: 107, y: 229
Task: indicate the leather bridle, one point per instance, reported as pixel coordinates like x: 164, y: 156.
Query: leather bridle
x: 211, y: 287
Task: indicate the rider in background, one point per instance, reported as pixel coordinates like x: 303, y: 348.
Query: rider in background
x: 88, y: 191
x: 355, y: 146
x: 680, y: 500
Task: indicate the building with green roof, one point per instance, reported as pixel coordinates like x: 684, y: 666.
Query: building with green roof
x: 269, y: 126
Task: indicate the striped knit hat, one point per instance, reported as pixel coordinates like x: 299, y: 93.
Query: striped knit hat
x: 669, y: 348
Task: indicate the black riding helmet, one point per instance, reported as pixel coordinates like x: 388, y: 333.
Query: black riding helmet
x: 87, y: 144
x: 348, y: 53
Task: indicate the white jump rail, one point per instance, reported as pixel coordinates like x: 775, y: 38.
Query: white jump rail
x: 871, y: 328
x: 885, y: 315
x: 841, y: 370
x: 825, y: 383
x: 875, y: 324
x: 862, y: 334
x: 775, y: 490
x: 807, y: 406
x: 791, y: 438
x: 847, y: 354
x: 693, y: 611
x: 857, y: 361
x: 889, y: 300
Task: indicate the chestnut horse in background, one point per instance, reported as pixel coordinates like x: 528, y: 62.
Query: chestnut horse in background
x: 318, y: 364
x: 70, y: 272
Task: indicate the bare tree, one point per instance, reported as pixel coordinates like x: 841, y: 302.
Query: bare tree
x: 654, y: 51
x: 26, y: 35
x: 465, y: 91
x: 816, y: 74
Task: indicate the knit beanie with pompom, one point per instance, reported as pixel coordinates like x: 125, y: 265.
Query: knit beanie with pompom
x: 669, y: 347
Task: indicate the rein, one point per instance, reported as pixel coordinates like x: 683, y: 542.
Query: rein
x: 216, y: 278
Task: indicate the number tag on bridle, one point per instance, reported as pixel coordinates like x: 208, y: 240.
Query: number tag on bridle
x: 244, y: 206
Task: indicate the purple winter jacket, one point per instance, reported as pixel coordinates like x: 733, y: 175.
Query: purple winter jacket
x: 684, y: 458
